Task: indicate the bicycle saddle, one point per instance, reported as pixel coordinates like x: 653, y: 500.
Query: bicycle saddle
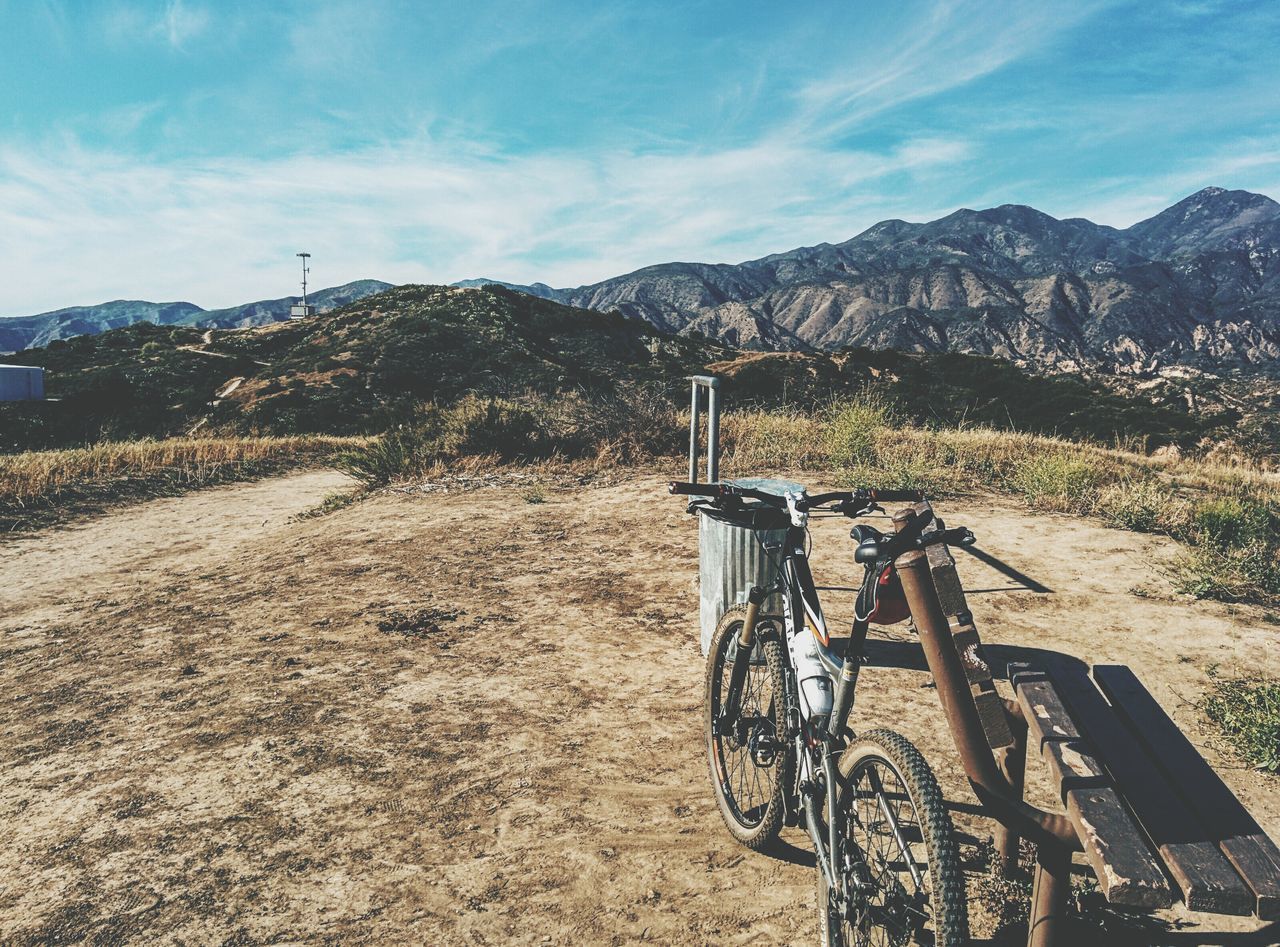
x: 870, y: 542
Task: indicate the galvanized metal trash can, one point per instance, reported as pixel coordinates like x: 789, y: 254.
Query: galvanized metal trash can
x: 730, y: 557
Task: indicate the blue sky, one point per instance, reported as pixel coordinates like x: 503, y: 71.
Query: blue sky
x: 179, y: 149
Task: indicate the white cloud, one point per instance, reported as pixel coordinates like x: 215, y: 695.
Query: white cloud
x: 80, y: 226
x: 1247, y: 164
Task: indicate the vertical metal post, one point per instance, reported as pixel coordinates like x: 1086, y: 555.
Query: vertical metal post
x: 712, y: 384
x: 693, y: 433
x: 1049, y: 894
x: 1013, y: 764
x: 713, y: 434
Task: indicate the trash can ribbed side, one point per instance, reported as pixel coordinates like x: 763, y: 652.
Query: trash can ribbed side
x: 730, y: 561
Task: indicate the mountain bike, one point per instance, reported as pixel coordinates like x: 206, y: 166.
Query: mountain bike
x: 778, y: 698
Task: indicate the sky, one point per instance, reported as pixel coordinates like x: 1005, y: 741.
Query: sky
x: 184, y: 150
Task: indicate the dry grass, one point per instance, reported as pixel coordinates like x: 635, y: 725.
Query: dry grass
x: 1227, y: 514
x: 37, y: 487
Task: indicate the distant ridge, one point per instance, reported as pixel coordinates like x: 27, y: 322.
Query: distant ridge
x: 541, y: 290
x: 24, y: 332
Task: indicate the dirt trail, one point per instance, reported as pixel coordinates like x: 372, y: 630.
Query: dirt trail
x: 465, y: 718
x: 53, y: 573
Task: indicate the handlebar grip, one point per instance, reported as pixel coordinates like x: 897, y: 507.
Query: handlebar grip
x: 680, y: 488
x: 897, y: 496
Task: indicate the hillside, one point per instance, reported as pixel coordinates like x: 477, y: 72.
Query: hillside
x: 357, y: 369
x: 369, y: 364
x: 1198, y: 285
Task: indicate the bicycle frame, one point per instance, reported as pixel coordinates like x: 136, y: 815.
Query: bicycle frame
x: 803, y: 615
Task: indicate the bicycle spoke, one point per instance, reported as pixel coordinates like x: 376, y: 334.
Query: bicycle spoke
x: 882, y: 826
x: 749, y: 785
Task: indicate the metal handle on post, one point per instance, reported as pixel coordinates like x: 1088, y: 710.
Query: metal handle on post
x: 712, y: 384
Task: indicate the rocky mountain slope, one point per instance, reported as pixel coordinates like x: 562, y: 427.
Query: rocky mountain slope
x: 22, y: 332
x: 1197, y: 285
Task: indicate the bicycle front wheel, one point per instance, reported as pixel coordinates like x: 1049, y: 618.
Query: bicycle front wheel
x: 747, y: 755
x: 899, y: 859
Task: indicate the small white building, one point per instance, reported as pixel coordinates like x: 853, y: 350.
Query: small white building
x: 21, y: 383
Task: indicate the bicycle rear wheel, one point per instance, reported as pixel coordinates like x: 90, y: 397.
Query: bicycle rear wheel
x: 900, y: 860
x: 747, y: 756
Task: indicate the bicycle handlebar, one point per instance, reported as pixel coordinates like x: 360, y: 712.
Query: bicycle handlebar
x: 862, y: 496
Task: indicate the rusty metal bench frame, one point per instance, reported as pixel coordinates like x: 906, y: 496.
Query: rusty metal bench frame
x: 1149, y: 814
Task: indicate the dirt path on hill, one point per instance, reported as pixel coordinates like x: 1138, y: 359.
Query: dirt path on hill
x: 464, y: 718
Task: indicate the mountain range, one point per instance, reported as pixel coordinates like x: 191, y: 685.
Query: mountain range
x: 24, y: 332
x: 1196, y: 285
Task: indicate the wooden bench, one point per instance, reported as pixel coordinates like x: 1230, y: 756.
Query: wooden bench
x: 1126, y: 772
x: 1218, y: 858
x: 1153, y: 819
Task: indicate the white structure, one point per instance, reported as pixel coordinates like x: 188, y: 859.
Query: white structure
x: 303, y: 310
x: 21, y: 383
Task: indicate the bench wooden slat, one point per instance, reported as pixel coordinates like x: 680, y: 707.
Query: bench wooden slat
x: 1207, y: 881
x: 1126, y: 869
x: 1047, y: 716
x: 1193, y: 780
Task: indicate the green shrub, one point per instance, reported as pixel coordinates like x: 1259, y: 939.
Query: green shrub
x: 757, y: 440
x: 1058, y: 481
x: 1233, y: 521
x: 393, y: 456
x: 1251, y: 574
x: 1248, y: 711
x: 625, y: 426
x: 1144, y: 505
x: 509, y: 430
x: 851, y: 430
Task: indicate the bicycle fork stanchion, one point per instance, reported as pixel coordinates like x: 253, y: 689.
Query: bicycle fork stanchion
x: 1053, y: 834
x: 742, y: 656
x: 712, y: 384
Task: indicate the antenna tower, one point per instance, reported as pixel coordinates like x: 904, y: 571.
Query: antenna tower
x: 305, y: 270
x: 302, y: 310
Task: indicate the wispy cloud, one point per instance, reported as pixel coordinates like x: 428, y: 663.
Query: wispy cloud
x: 173, y: 24
x: 1124, y: 200
x: 433, y: 142
x: 417, y: 211
x: 952, y: 44
x: 180, y: 23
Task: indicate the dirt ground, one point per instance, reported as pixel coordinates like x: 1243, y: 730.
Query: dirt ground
x: 466, y: 718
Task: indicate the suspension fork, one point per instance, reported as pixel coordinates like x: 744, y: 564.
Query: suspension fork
x: 742, y: 657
